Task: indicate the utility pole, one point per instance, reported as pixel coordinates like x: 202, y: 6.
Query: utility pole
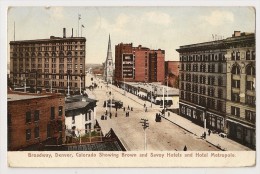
x: 163, y: 102
x: 145, y: 125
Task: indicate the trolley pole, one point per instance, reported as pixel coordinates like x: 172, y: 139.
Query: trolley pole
x: 145, y: 125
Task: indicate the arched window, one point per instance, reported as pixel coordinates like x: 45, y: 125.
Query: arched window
x: 236, y: 69
x: 250, y: 70
x: 46, y: 55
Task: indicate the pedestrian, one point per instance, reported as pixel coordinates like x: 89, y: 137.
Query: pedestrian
x: 116, y: 114
x: 128, y: 107
x: 126, y: 114
x: 185, y: 148
x: 209, y: 132
x: 146, y: 109
x: 168, y: 114
x: 131, y: 108
x: 110, y: 115
x: 124, y: 108
x: 204, y: 135
x: 144, y: 105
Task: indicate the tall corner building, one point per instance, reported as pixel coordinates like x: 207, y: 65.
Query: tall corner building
x: 108, y: 66
x: 217, y: 85
x: 56, y: 63
x: 139, y: 64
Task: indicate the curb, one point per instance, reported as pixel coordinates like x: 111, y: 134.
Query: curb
x: 217, y: 146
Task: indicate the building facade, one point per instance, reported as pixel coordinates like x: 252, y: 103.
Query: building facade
x: 241, y: 94
x: 109, y: 66
x: 56, y: 64
x: 217, y: 85
x: 80, y: 114
x: 138, y: 64
x: 35, y: 120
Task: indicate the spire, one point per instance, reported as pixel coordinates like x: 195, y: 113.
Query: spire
x: 109, y: 49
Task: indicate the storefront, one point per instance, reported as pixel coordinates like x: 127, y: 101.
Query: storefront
x: 241, y: 133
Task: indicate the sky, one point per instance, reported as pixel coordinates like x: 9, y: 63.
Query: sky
x: 165, y: 28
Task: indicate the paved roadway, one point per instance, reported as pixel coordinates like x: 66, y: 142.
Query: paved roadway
x: 161, y: 136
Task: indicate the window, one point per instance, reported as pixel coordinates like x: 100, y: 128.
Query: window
x: 253, y: 55
x: 36, y: 132
x: 220, y: 81
x: 250, y: 85
x: 250, y: 70
x: 220, y: 93
x: 247, y: 55
x: 28, y: 134
x: 237, y: 55
x: 235, y: 111
x: 233, y: 55
x: 48, y: 130
x: 236, y: 69
x: 250, y: 116
x: 28, y: 117
x: 89, y: 114
x: 36, y: 115
x: 250, y: 100
x: 52, y: 113
x: 236, y: 83
x: 60, y: 110
x: 235, y: 97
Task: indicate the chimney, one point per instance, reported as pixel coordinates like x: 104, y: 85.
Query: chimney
x: 72, y: 33
x: 236, y: 33
x: 64, y: 32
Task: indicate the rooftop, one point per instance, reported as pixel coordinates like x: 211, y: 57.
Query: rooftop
x: 24, y: 96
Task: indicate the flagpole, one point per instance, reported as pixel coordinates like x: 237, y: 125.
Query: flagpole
x: 14, y: 30
x: 78, y: 25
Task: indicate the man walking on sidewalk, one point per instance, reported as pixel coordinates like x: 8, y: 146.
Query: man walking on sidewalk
x: 209, y: 132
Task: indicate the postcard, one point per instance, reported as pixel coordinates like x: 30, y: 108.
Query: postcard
x: 131, y: 86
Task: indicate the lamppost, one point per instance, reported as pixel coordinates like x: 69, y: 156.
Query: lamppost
x: 145, y: 125
x: 80, y: 83
x: 124, y: 83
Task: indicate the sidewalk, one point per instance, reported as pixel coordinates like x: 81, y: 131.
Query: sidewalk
x: 224, y: 144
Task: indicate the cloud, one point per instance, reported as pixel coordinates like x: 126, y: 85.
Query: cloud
x: 56, y: 13
x: 157, y: 18
x: 217, y: 18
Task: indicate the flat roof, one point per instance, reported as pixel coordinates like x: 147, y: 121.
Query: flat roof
x: 23, y: 96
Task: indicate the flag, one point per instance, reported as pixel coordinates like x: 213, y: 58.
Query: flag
x: 79, y: 16
x: 82, y: 26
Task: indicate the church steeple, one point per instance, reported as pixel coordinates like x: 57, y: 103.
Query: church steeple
x: 109, y: 63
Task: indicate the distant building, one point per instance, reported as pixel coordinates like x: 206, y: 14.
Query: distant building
x: 35, y: 120
x: 138, y: 64
x: 108, y: 65
x: 80, y: 114
x: 172, y: 73
x: 217, y: 85
x: 51, y: 63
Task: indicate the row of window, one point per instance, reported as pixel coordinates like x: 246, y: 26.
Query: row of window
x: 87, y: 117
x: 250, y: 55
x: 203, y: 58
x: 209, y: 68
x: 204, y: 101
x: 36, y: 115
x: 249, y: 115
x: 202, y: 90
x: 39, y: 55
x: 236, y: 69
x: 202, y: 79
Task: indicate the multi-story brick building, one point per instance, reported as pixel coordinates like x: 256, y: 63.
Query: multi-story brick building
x: 217, y: 85
x: 172, y: 73
x: 51, y: 63
x: 35, y: 120
x: 139, y: 64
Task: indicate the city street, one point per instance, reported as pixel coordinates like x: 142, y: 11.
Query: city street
x: 161, y: 136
